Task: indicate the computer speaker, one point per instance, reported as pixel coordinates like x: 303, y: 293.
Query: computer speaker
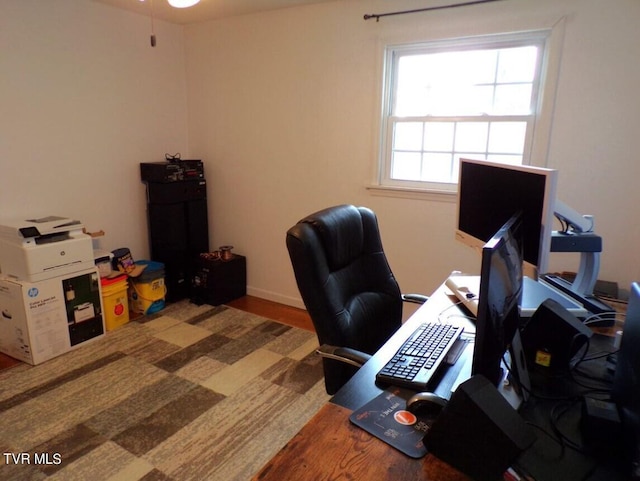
x: 553, y: 336
x: 478, y: 432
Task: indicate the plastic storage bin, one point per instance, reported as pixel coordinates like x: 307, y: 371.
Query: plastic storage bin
x: 115, y: 301
x: 148, y: 290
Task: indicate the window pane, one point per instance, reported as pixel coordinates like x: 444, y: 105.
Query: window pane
x: 408, y: 136
x: 455, y: 100
x: 462, y: 83
x: 437, y: 167
x: 517, y: 64
x: 476, y: 101
x: 406, y: 166
x: 411, y: 95
x: 449, y: 83
x: 456, y: 162
x: 513, y: 99
x: 507, y: 137
x: 477, y: 66
x: 471, y: 136
x: 438, y: 136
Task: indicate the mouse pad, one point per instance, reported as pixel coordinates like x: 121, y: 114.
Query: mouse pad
x: 386, y: 418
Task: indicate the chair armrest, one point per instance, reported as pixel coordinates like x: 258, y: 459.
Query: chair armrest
x: 415, y: 298
x: 343, y: 354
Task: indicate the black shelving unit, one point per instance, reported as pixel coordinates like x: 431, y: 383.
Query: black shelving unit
x: 177, y: 220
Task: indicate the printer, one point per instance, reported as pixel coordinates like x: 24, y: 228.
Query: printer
x: 36, y: 249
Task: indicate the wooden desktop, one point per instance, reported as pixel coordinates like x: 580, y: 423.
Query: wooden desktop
x: 330, y: 447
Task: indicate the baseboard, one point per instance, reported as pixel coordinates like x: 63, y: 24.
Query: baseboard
x: 275, y: 297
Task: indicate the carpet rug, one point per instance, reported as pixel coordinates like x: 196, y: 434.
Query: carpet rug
x: 190, y: 393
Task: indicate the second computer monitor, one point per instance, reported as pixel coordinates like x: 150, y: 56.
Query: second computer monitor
x: 489, y: 193
x: 501, y: 280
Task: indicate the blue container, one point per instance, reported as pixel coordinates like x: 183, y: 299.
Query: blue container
x: 147, y: 291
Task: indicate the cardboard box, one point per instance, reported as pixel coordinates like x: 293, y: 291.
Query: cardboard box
x: 41, y: 320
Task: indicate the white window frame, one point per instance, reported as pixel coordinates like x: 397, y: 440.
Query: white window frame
x: 538, y: 122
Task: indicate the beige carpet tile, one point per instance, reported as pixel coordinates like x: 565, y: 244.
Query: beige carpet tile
x: 52, y: 382
x: 159, y: 324
x: 309, y: 347
x: 156, y: 475
x: 155, y: 350
x: 235, y: 376
x: 74, y: 402
x: 12, y: 371
x: 258, y: 337
x: 232, y: 323
x: 107, y: 462
x: 70, y: 445
x: 222, y: 432
x: 294, y: 343
x: 296, y: 376
x: 118, y: 341
x: 140, y: 405
x: 205, y: 314
x: 22, y: 472
x: 248, y: 448
x: 167, y: 420
x: 183, y: 334
x: 200, y: 369
x: 262, y: 443
x: 181, y: 358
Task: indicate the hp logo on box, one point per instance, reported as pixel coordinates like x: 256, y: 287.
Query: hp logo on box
x: 33, y: 292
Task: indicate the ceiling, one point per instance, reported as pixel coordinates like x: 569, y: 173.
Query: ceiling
x: 205, y: 10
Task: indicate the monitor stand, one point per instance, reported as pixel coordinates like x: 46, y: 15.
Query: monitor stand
x: 535, y: 293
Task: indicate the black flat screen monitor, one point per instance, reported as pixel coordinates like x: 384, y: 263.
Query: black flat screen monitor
x: 501, y: 281
x: 489, y: 193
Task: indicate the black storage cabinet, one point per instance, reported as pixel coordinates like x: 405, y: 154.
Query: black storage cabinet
x: 178, y: 221
x: 217, y: 282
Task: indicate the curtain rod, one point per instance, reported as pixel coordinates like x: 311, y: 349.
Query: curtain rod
x: 377, y: 16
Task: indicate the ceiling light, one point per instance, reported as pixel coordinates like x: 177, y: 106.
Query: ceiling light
x: 182, y: 3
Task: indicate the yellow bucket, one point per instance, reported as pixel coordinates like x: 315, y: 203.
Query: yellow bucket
x: 115, y: 302
x: 147, y: 291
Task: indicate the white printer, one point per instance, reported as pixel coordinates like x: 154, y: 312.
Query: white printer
x: 37, y: 249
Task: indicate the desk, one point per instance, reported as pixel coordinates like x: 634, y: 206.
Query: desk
x: 330, y: 447
x: 362, y: 387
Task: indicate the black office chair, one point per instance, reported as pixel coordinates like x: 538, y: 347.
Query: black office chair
x: 347, y: 286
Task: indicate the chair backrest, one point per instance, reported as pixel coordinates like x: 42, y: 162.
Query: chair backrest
x: 345, y: 282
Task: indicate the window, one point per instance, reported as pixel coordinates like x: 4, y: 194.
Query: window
x: 476, y: 97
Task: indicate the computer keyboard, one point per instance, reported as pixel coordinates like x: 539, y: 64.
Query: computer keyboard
x: 420, y: 356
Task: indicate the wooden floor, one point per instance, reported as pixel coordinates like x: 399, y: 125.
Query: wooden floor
x: 291, y: 316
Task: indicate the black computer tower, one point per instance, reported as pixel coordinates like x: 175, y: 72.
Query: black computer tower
x: 178, y: 224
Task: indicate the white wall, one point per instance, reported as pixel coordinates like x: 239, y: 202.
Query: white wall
x: 84, y: 99
x: 283, y: 107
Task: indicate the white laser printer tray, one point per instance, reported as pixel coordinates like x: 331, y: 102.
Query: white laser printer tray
x: 36, y: 249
